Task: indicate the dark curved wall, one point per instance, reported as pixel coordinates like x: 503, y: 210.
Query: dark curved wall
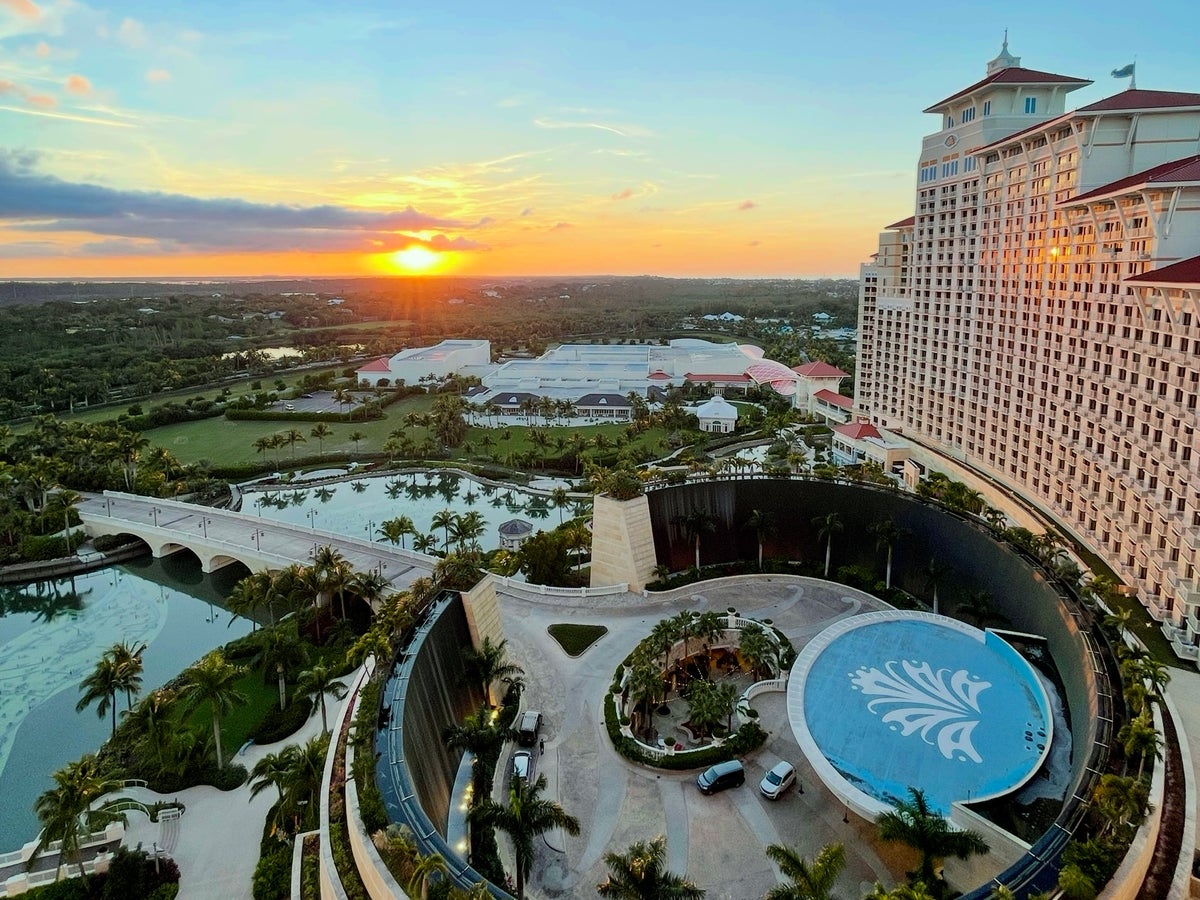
x: 977, y: 561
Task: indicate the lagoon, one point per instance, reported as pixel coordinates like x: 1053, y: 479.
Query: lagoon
x: 53, y: 633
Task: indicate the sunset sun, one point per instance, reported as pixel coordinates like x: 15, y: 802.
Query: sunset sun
x: 416, y: 259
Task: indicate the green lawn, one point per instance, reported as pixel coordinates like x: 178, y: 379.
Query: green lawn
x: 237, y: 724
x: 574, y: 639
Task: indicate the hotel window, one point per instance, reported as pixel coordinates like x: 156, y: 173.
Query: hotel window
x: 949, y: 121
x: 1030, y: 105
x: 987, y: 107
x: 968, y: 115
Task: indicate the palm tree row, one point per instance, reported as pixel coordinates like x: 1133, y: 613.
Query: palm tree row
x: 295, y: 773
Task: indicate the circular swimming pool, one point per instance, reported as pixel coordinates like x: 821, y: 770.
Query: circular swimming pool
x: 886, y: 701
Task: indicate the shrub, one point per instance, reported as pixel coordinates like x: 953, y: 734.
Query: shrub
x: 273, y: 874
x: 34, y: 547
x: 280, y: 723
x: 106, y: 542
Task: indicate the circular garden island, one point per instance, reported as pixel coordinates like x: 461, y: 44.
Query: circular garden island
x: 682, y: 698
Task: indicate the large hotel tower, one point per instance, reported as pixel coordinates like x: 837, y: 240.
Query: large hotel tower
x: 1038, y: 317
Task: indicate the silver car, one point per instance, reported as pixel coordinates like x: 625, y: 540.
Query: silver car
x: 781, y: 777
x: 521, y: 765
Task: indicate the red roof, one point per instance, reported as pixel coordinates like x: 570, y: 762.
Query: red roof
x: 1186, y: 271
x: 904, y: 223
x: 703, y: 378
x: 658, y: 375
x: 819, y: 369
x: 1011, y: 75
x: 858, y: 430
x: 834, y: 399
x: 1174, y: 172
x: 1134, y: 99
x: 378, y: 365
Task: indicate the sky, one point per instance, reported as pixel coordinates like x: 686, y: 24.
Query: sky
x: 749, y: 139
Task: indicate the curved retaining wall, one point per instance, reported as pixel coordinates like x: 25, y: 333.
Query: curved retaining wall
x: 426, y: 693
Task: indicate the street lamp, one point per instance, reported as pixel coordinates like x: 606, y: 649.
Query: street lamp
x: 154, y: 511
x: 312, y: 517
x: 370, y: 530
x: 108, y: 505
x: 204, y: 523
x: 258, y: 533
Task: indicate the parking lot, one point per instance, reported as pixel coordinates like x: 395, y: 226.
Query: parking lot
x: 317, y: 402
x: 717, y: 840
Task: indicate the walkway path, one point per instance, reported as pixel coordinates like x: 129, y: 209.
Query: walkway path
x: 216, y: 841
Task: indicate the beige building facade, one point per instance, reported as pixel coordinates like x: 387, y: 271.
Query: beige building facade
x: 1038, y: 317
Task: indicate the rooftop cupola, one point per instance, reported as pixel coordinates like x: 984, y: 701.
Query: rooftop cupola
x: 1004, y: 59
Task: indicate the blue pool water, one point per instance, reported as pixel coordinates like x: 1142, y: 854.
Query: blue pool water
x: 893, y: 700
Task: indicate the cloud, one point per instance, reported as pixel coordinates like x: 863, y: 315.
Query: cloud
x: 622, y: 195
x: 746, y: 205
x: 26, y: 95
x: 561, y: 226
x: 42, y: 49
x: 33, y: 202
x: 158, y: 76
x: 527, y: 211
x: 68, y: 117
x: 619, y: 129
x: 77, y: 84
x: 132, y: 33
x: 753, y: 243
x: 25, y: 9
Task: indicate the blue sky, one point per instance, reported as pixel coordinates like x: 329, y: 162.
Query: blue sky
x: 699, y: 138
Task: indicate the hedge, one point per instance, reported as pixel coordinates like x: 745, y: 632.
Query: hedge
x: 269, y: 415
x: 280, y: 723
x: 36, y: 547
x: 171, y: 414
x: 745, y: 740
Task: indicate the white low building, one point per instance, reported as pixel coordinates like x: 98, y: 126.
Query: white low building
x: 717, y: 415
x: 411, y: 365
x: 859, y: 442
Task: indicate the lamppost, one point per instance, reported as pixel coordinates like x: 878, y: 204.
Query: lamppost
x: 204, y: 523
x: 370, y: 530
x: 258, y: 533
x: 154, y: 511
x: 108, y: 505
x: 381, y: 568
x: 312, y: 519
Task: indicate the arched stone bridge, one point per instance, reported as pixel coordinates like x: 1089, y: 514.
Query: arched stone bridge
x: 220, y: 537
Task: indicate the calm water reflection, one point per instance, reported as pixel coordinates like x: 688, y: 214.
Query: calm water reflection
x: 52, y: 634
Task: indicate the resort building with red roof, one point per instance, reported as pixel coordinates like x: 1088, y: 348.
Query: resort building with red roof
x: 1038, y: 317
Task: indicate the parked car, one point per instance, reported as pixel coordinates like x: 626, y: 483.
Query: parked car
x: 721, y: 776
x: 528, y: 727
x: 522, y: 761
x: 290, y: 407
x: 780, y: 777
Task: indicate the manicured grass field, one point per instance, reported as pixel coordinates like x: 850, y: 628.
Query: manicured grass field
x: 237, y: 723
x: 574, y: 639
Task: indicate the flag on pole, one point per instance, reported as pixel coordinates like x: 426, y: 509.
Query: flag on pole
x: 1124, y: 72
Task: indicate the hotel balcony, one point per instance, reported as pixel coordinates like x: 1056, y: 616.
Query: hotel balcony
x: 1187, y: 593
x: 1181, y: 641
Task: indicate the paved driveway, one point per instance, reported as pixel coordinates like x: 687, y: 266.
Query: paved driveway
x: 717, y: 841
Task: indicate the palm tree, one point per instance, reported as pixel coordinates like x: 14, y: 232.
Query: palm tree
x: 757, y: 649
x: 645, y: 686
x: 424, y: 543
x: 640, y: 874
x: 243, y: 600
x: 935, y: 574
x: 561, y: 498
x: 320, y: 432
x: 978, y: 608
x: 395, y: 530
x: 356, y: 436
x: 100, y: 687
x: 482, y: 737
x: 300, y: 803
x: 1140, y: 738
x: 827, y: 527
x: 128, y: 660
x: 271, y: 771
x: 443, y: 519
x: 293, y: 437
x: 914, y: 823
x: 887, y: 535
x: 153, y: 717
x: 489, y: 663
x: 213, y: 680
x: 695, y: 524
x: 423, y: 871
x: 281, y: 651
x: 813, y: 881
x: 527, y: 816
x: 65, y: 811
x: 763, y: 523
x: 316, y: 683
x: 1121, y: 801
